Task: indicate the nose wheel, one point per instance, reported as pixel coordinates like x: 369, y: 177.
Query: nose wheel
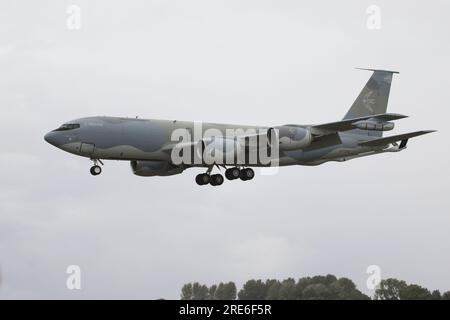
x: 96, y: 169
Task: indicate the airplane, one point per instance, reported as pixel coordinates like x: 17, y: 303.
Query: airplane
x: 151, y: 149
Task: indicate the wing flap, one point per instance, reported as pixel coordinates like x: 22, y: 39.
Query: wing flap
x: 392, y: 139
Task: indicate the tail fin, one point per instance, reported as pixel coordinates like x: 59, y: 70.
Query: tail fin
x: 373, y: 98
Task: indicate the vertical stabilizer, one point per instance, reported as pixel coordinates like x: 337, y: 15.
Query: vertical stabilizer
x: 373, y: 98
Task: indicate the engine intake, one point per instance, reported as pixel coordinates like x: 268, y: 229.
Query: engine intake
x: 154, y: 168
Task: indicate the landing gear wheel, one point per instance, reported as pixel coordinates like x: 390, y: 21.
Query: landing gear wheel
x: 247, y: 174
x: 96, y: 170
x: 250, y: 173
x: 202, y: 179
x: 216, y: 180
x: 232, y: 173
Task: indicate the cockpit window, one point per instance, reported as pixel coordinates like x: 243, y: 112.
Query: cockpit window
x: 68, y: 126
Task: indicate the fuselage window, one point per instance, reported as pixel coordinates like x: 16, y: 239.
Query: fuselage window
x: 68, y: 126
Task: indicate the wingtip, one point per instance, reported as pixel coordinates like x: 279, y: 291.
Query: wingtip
x: 398, y: 115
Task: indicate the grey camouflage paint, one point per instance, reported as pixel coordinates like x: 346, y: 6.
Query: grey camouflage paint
x: 147, y: 140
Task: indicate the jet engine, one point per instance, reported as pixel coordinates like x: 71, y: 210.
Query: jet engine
x: 294, y: 138
x: 373, y: 125
x: 154, y: 168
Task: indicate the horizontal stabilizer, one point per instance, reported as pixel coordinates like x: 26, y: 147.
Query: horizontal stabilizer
x: 347, y: 124
x: 378, y: 70
x: 392, y: 139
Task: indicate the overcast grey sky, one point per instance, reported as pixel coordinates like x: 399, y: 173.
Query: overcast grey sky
x: 247, y: 61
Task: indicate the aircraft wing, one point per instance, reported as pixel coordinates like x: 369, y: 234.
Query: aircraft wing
x: 347, y: 124
x: 392, y: 139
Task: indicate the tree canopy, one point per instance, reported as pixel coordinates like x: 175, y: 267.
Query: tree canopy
x: 393, y: 289
x: 196, y: 291
x: 327, y: 287
x: 318, y: 287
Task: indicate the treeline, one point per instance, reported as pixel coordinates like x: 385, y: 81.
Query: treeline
x: 393, y: 289
x: 196, y: 291
x: 327, y: 287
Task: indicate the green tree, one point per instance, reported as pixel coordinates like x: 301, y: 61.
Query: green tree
x: 287, y: 290
x: 226, y: 291
x: 186, y: 292
x: 393, y: 289
x: 199, y: 292
x: 415, y: 292
x: 302, y: 284
x: 316, y: 291
x: 436, y: 295
x: 273, y: 289
x: 345, y: 289
x: 328, y: 287
x: 326, y: 280
x: 390, y: 289
x: 212, y: 292
x: 253, y: 290
x: 317, y: 288
x: 446, y: 295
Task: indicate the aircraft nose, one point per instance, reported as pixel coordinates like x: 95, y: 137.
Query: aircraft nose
x: 50, y: 138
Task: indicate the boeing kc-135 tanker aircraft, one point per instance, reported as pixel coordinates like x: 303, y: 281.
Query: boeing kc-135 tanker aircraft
x: 168, y: 147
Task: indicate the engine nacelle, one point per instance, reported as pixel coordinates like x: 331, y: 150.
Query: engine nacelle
x: 373, y: 125
x: 294, y: 138
x: 154, y: 168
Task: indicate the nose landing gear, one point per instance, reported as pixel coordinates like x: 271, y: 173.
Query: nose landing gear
x: 96, y: 169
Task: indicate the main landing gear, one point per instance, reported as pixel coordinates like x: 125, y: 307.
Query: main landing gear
x: 247, y: 174
x: 96, y: 169
x: 212, y: 179
x: 205, y: 178
x: 230, y: 174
